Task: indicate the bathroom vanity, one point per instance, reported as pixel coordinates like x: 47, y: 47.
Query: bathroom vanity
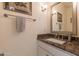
x: 62, y: 40
x: 45, y: 49
x: 52, y: 48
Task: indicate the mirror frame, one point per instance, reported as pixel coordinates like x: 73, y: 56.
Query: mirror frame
x: 74, y: 17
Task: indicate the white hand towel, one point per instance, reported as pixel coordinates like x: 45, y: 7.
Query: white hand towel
x: 20, y: 24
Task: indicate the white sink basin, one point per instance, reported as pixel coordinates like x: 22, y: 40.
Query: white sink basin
x: 56, y: 41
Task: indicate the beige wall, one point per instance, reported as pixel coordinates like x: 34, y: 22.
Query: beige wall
x: 13, y: 43
x: 78, y: 19
x: 69, y: 16
x: 43, y: 20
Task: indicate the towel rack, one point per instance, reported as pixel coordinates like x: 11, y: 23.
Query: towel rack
x: 6, y: 15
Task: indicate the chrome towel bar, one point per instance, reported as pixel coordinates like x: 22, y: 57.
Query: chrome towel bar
x: 6, y: 15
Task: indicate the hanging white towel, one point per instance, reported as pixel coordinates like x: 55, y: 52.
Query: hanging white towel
x: 20, y: 24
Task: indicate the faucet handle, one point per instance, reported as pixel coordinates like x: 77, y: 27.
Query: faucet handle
x: 69, y: 37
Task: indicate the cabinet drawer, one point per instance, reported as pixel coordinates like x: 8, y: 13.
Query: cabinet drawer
x: 42, y: 52
x: 54, y: 50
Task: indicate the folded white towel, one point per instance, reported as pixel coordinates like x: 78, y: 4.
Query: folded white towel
x: 20, y: 24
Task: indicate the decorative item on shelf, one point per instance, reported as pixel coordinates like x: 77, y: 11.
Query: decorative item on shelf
x: 43, y: 7
x: 21, y: 7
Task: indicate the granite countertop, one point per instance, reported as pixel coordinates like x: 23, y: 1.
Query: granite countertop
x: 72, y: 46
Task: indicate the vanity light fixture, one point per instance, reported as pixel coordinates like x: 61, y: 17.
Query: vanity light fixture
x: 43, y: 7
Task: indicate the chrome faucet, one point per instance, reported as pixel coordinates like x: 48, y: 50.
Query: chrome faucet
x: 57, y: 36
x: 69, y: 37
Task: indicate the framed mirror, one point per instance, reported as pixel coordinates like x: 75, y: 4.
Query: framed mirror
x: 64, y: 18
